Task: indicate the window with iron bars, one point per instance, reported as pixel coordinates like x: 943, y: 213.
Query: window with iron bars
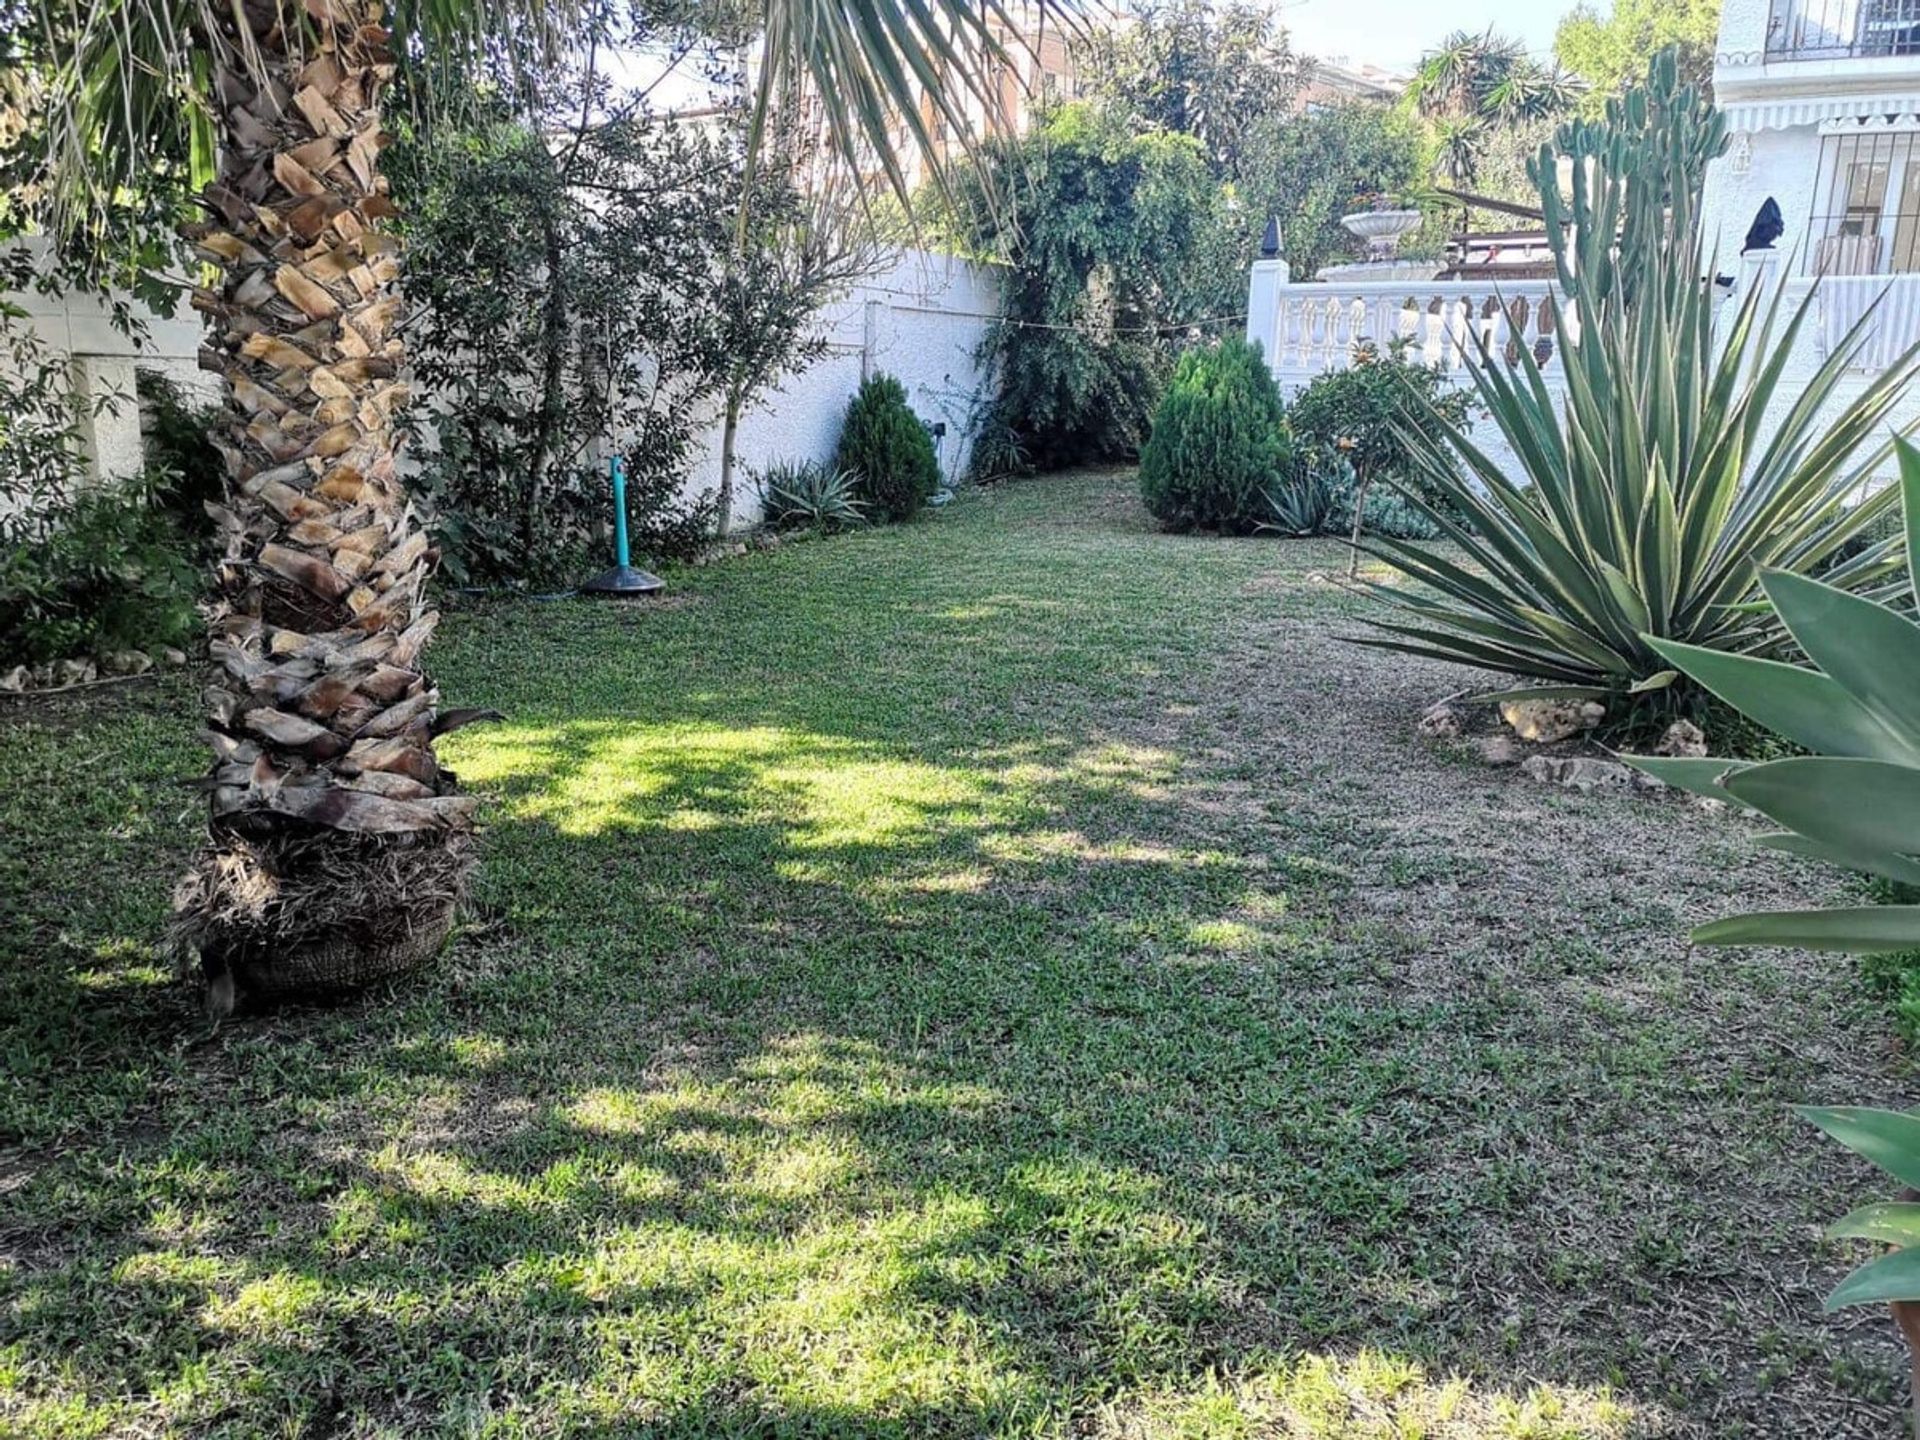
x: 1866, y: 206
x: 1838, y: 29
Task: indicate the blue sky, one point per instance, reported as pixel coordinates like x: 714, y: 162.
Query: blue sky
x: 1394, y: 32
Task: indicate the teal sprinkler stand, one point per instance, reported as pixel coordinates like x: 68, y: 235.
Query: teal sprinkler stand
x: 622, y: 579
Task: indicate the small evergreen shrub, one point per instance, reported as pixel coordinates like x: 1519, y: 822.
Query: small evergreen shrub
x: 887, y: 451
x: 1219, y: 442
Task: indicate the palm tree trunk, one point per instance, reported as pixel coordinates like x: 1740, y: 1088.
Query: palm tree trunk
x: 336, y: 838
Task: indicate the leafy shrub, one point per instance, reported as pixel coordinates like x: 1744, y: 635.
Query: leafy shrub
x: 1219, y: 441
x: 1651, y: 508
x: 1369, y: 410
x: 1850, y: 802
x: 567, y: 291
x: 887, y: 451
x: 806, y: 495
x: 664, y: 522
x: 86, y: 568
x: 113, y: 570
x: 176, y: 440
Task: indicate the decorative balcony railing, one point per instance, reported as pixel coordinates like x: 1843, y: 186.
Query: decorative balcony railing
x: 1315, y: 326
x: 1842, y: 29
x: 1889, y: 304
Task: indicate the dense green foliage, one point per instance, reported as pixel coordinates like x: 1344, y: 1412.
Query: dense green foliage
x: 1223, y: 74
x: 115, y: 569
x: 1219, y: 441
x: 1611, y: 52
x: 806, y: 495
x: 86, y: 568
x: 1485, y: 102
x: 1653, y: 498
x: 1309, y: 171
x: 1371, y: 409
x: 887, y: 451
x: 1117, y: 253
x: 565, y: 298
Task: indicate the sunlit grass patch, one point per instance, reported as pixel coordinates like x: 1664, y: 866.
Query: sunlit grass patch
x: 1005, y: 976
x: 1369, y: 1395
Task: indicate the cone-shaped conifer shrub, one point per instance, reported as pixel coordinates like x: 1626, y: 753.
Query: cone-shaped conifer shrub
x: 1219, y: 441
x: 887, y: 451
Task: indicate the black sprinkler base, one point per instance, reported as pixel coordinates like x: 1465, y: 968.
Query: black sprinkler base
x: 623, y: 580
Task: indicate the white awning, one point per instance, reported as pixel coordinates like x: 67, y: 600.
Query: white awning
x: 1786, y: 113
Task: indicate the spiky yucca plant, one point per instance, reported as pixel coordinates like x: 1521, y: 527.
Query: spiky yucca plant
x: 1657, y: 491
x: 1855, y: 801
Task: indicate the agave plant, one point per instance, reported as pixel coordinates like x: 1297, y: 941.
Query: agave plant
x: 1657, y: 492
x: 1855, y: 801
x: 805, y: 494
x: 1308, y: 500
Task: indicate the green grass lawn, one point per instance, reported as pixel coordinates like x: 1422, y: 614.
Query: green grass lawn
x: 1015, y: 974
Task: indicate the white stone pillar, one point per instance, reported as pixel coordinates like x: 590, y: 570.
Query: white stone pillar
x: 1268, y: 277
x: 110, y: 430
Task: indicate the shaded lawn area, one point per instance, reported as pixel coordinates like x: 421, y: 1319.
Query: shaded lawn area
x: 1015, y: 974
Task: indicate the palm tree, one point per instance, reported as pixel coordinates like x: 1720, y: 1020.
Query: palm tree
x: 1491, y: 76
x: 1459, y: 143
x: 338, y: 845
x: 1475, y: 91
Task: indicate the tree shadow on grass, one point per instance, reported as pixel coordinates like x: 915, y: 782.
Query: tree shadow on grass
x: 873, y: 1033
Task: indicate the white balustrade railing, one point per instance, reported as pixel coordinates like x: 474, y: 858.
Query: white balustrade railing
x: 1890, y: 305
x: 1315, y: 326
x: 1311, y: 328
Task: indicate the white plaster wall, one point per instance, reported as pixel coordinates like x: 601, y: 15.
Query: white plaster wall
x: 1743, y: 26
x: 102, y: 362
x: 1783, y: 164
x: 920, y: 318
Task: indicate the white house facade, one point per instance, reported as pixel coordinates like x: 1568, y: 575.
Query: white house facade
x: 1822, y: 100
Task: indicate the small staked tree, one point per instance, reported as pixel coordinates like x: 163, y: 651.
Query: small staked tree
x: 806, y: 239
x: 338, y: 844
x: 1365, y: 412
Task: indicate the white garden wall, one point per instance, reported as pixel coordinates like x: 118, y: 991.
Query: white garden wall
x: 920, y: 317
x: 102, y: 362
